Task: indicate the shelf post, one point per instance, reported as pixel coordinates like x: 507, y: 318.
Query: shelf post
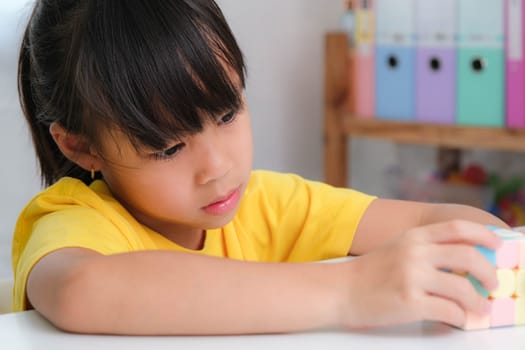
x: 337, y: 65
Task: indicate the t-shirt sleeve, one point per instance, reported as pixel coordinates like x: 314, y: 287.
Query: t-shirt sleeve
x: 307, y: 220
x: 76, y: 227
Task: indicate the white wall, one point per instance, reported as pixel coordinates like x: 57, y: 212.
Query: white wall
x: 18, y: 175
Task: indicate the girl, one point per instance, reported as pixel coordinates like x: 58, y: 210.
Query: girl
x: 153, y: 221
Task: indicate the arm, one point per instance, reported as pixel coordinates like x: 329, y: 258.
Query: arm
x: 163, y: 292
x: 386, y: 219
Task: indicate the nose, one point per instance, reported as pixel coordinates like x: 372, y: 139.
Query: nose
x: 212, y: 159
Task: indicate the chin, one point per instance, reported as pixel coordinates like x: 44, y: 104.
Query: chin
x: 219, y: 222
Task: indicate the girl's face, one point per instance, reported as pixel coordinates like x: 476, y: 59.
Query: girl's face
x: 194, y: 184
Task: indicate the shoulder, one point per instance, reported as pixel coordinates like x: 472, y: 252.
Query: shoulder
x: 275, y: 183
x: 267, y: 187
x: 68, y: 198
x: 271, y: 179
x: 71, y: 187
x: 260, y: 178
x: 272, y: 184
x: 69, y: 193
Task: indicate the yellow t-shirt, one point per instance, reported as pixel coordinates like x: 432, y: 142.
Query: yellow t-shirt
x: 281, y: 218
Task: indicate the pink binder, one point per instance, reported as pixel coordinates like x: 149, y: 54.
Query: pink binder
x: 515, y: 63
x: 364, y: 65
x: 364, y: 80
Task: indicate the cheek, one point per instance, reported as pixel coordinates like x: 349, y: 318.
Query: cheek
x: 157, y: 186
x: 248, y: 150
x: 164, y: 181
x: 244, y: 144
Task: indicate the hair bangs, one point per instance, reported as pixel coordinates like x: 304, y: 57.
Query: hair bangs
x: 181, y: 67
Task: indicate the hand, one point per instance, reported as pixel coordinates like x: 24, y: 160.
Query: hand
x: 406, y: 279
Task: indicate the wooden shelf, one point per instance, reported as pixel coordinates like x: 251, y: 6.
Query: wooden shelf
x: 340, y: 125
x: 435, y: 134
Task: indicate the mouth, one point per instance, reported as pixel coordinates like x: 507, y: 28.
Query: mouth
x: 224, y: 204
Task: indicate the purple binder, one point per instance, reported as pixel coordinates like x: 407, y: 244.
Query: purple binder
x: 436, y: 85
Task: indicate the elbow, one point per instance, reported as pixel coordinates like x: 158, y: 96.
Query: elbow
x: 74, y: 309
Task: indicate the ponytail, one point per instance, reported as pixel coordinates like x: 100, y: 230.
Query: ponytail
x: 31, y: 86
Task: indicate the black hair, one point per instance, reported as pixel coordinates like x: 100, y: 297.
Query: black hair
x: 154, y: 69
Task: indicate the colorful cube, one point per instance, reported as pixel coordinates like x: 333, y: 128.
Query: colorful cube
x: 508, y: 300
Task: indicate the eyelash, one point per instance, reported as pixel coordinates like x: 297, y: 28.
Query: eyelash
x: 174, y: 150
x: 231, y: 116
x: 169, y: 152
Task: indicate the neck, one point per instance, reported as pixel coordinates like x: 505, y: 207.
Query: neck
x: 194, y: 240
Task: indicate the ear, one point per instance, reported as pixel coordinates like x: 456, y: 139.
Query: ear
x: 75, y: 148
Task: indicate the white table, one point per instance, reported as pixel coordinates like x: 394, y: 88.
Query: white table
x: 28, y: 330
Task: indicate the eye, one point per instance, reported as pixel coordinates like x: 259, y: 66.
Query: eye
x: 169, y: 152
x: 227, y: 118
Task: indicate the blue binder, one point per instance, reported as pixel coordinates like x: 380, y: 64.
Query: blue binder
x: 395, y: 59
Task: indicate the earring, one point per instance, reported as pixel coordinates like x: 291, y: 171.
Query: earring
x: 92, y: 173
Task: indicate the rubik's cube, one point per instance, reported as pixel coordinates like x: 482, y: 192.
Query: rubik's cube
x: 508, y: 301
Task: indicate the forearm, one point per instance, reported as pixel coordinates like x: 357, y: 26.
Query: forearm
x: 386, y: 219
x: 438, y: 213
x: 173, y: 293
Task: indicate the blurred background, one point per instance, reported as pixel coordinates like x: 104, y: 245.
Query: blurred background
x: 283, y: 42
x: 18, y: 174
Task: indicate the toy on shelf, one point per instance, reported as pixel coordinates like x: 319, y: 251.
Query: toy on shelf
x: 433, y: 188
x: 508, y: 300
x: 508, y: 195
x: 509, y: 200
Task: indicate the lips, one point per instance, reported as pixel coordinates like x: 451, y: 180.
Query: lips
x: 225, y: 204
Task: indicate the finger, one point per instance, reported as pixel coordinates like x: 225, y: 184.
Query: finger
x: 461, y: 231
x: 458, y: 289
x: 435, y: 308
x: 465, y: 259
